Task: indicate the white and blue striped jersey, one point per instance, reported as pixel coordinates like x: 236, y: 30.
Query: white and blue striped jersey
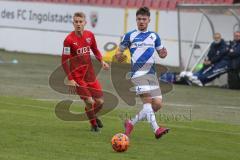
x: 142, y: 46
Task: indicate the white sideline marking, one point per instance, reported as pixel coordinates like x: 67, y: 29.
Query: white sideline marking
x: 179, y: 105
x: 193, y: 128
x: 228, y: 107
x: 42, y: 99
x: 169, y: 104
x: 111, y: 117
x: 206, y: 130
x: 26, y: 105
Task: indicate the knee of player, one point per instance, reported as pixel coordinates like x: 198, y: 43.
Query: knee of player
x: 146, y: 98
x: 99, y: 101
x: 89, y: 102
x: 157, y: 105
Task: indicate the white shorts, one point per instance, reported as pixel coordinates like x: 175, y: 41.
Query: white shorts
x: 147, y: 84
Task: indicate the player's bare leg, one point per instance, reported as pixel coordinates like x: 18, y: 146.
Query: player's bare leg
x: 97, y: 107
x: 89, y: 101
x: 157, y: 104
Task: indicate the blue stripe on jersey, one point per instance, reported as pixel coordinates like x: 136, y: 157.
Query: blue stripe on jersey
x: 125, y: 43
x: 143, y: 59
x: 157, y: 41
x: 132, y: 51
x: 152, y: 70
x: 141, y: 37
x: 143, y: 47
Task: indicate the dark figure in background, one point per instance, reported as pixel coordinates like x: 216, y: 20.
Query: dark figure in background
x: 216, y: 63
x: 234, y: 51
x: 234, y: 54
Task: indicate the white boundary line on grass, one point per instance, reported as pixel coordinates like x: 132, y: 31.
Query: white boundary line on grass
x: 111, y: 117
x: 25, y: 105
x: 179, y: 104
x: 169, y: 104
x: 42, y: 99
x: 193, y: 128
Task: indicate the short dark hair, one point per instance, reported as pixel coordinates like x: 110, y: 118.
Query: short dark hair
x: 143, y: 11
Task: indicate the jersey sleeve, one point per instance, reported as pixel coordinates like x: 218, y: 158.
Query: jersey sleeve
x: 158, y: 44
x: 125, y: 42
x: 66, y: 57
x: 95, y: 49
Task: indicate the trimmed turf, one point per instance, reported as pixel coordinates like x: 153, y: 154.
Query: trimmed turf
x: 31, y: 131
x: 204, y: 122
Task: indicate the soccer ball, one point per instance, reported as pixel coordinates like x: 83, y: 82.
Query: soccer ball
x: 120, y: 142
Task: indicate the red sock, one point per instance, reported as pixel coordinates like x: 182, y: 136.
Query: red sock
x: 91, y: 116
x: 97, y: 108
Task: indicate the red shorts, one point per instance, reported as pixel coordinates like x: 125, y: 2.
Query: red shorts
x: 89, y: 89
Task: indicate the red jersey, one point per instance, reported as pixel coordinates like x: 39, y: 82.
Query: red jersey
x: 76, y: 59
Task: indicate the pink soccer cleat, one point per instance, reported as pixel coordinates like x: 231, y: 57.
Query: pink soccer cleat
x: 160, y: 132
x: 128, y: 127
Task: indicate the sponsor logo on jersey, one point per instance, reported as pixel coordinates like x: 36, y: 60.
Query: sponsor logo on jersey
x: 66, y: 50
x: 75, y: 43
x: 83, y: 50
x: 137, y: 38
x: 142, y: 44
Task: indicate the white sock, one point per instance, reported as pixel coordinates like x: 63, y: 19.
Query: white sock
x: 151, y: 118
x: 141, y: 115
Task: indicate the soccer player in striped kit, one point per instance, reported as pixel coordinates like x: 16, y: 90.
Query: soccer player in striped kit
x: 142, y: 43
x: 77, y: 64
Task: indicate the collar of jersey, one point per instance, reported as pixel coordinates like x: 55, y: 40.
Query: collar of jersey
x: 142, y: 31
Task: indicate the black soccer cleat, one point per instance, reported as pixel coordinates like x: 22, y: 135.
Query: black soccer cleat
x: 99, y: 123
x: 95, y: 129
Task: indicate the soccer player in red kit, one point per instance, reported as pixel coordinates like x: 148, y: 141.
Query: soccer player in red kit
x: 77, y: 64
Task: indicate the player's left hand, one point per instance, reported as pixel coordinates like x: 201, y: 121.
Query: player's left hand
x: 105, y: 66
x: 162, y: 52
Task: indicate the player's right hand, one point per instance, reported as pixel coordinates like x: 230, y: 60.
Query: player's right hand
x: 72, y: 83
x: 105, y: 66
x: 72, y: 86
x: 120, y: 57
